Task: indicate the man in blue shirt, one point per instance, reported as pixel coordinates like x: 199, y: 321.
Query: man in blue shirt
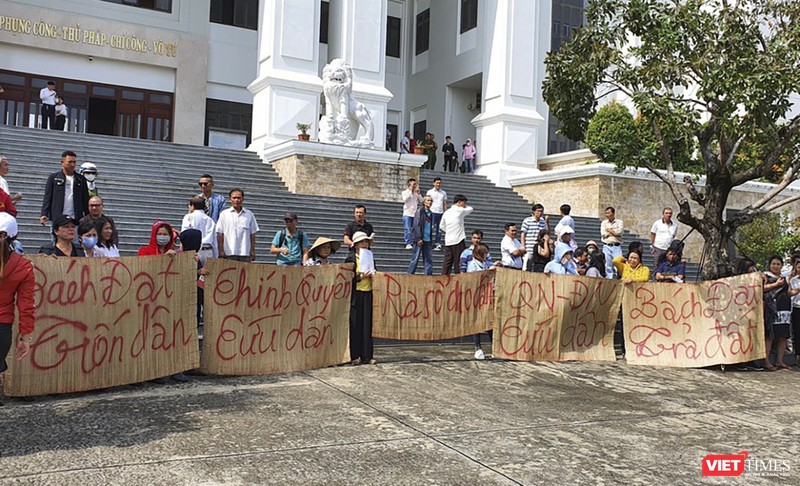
x: 215, y: 203
x: 671, y: 269
x: 420, y: 235
x: 466, y: 255
x: 290, y: 244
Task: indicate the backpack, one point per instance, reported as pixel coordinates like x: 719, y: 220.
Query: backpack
x: 282, y: 239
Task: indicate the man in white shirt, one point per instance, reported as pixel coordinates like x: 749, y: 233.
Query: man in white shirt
x: 3, y: 183
x: 453, y: 226
x: 199, y: 220
x: 236, y: 230
x: 530, y: 231
x: 662, y: 233
x: 611, y: 235
x: 438, y: 208
x: 48, y: 96
x: 405, y: 143
x: 511, y: 250
x: 566, y: 220
x: 411, y: 199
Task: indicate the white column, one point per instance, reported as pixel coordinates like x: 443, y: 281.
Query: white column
x: 288, y: 87
x: 357, y: 34
x: 509, y: 121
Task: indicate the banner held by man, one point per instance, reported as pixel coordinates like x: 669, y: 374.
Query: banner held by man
x: 542, y: 317
x: 428, y: 308
x: 107, y: 322
x: 694, y: 325
x: 262, y: 319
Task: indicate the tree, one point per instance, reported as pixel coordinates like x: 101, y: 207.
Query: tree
x: 771, y: 234
x: 711, y: 82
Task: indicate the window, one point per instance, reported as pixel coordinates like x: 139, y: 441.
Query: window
x: 159, y: 5
x: 469, y: 15
x: 393, y: 33
x: 324, y: 14
x: 420, y: 128
x: 237, y: 13
x: 423, y: 31
x: 228, y: 116
x: 567, y: 16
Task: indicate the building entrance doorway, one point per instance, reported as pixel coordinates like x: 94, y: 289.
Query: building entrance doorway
x: 102, y: 116
x: 91, y: 107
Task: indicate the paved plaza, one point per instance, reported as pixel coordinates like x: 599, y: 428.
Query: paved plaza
x: 424, y: 415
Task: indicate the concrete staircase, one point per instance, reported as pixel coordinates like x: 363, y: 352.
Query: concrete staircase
x: 142, y: 181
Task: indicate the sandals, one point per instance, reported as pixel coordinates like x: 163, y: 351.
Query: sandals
x: 769, y: 367
x: 784, y: 366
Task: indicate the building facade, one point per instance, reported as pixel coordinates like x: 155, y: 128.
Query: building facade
x: 243, y: 73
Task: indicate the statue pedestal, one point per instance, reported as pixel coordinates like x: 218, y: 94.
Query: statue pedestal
x: 343, y: 171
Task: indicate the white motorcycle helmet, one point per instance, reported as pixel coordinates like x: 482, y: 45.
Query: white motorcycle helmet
x: 89, y: 171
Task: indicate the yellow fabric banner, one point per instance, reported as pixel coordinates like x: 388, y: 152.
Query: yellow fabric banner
x: 555, y: 317
x: 103, y: 322
x: 429, y: 308
x: 694, y: 325
x: 262, y: 319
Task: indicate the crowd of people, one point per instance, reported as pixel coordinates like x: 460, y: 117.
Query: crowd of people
x: 428, y: 147
x: 219, y: 227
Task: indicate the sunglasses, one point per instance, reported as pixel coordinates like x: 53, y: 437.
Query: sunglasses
x: 203, y: 184
x: 95, y: 205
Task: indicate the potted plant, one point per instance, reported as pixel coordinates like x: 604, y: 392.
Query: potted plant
x: 419, y: 150
x: 303, y: 135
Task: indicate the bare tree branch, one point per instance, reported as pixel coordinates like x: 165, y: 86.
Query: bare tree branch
x: 734, y: 151
x: 781, y: 203
x: 787, y: 179
x: 695, y: 194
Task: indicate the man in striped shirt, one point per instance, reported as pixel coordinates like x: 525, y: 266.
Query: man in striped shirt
x: 530, y: 230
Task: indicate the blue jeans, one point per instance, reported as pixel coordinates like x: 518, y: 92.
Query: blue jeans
x: 426, y: 250
x: 610, y: 252
x: 436, y: 218
x: 468, y: 167
x: 407, y: 222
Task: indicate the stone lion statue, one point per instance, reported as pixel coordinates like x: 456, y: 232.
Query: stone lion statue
x: 344, y: 115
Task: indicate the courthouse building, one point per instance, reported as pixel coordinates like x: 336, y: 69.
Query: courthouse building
x: 242, y: 73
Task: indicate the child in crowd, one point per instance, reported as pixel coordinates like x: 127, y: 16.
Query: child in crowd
x: 480, y: 263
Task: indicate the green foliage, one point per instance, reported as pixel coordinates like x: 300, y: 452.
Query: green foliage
x: 701, y: 73
x: 769, y: 234
x: 611, y: 135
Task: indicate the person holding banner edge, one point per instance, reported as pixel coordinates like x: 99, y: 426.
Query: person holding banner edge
x: 16, y: 286
x: 479, y: 263
x: 361, y: 344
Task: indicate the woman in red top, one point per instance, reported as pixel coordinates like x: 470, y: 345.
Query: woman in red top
x: 162, y: 239
x: 16, y: 284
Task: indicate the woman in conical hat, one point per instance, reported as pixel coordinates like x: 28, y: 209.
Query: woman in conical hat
x: 321, y: 250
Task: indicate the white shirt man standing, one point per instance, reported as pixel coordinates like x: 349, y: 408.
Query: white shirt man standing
x: 48, y: 96
x: 511, y: 250
x: 199, y: 220
x: 662, y: 233
x: 454, y: 235
x: 411, y: 199
x: 438, y: 207
x: 236, y: 230
x: 405, y: 143
x: 611, y: 235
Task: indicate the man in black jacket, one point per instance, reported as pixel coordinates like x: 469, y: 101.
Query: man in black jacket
x: 66, y: 192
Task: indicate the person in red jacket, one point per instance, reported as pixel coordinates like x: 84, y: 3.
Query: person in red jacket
x: 162, y: 239
x: 16, y: 285
x: 7, y: 204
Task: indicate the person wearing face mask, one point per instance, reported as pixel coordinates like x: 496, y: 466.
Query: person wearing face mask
x: 87, y: 235
x: 162, y: 241
x: 97, y: 211
x: 89, y: 172
x: 192, y: 240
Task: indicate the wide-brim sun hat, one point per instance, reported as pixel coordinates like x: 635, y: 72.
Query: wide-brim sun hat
x: 361, y: 236
x: 8, y: 224
x: 567, y: 229
x: 335, y: 245
x: 592, y: 242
